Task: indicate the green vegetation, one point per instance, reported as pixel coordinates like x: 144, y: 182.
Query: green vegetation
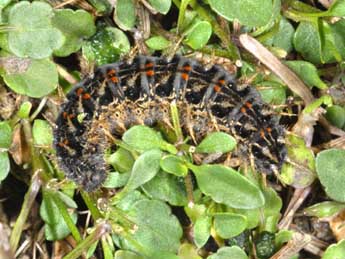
x: 159, y: 201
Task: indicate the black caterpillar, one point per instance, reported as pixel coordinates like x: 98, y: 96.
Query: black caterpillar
x: 123, y: 94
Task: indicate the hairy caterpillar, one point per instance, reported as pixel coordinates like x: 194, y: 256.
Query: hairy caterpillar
x: 123, y: 94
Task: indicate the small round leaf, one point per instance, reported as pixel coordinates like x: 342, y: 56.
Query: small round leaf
x: 40, y: 79
x: 161, y: 6
x: 5, y: 135
x: 125, y: 14
x: 228, y: 225
x: 33, y: 35
x: 4, y: 165
x: 42, y: 133
x: 229, y: 252
x: 157, y: 43
x: 174, y: 165
x: 227, y: 186
x: 249, y: 12
x: 330, y: 168
x: 142, y: 138
x: 216, y: 142
x: 198, y: 35
x: 75, y: 26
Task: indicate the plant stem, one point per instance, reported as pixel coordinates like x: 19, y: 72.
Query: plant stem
x: 29, y: 199
x: 100, y: 230
x: 176, y: 121
x: 96, y: 214
x: 66, y: 216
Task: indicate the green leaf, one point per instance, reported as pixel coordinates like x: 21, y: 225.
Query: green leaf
x: 157, y: 43
x: 125, y: 14
x: 60, y: 230
x: 106, y: 46
x: 121, y: 254
x: 116, y: 180
x: 339, y: 37
x: 228, y: 225
x: 304, y: 158
x: 168, y: 188
x: 265, y: 245
x: 324, y: 209
x: 122, y: 160
x: 188, y: 251
x: 75, y: 26
x: 195, y: 212
x: 336, y: 9
x: 283, y: 236
x: 198, y: 35
x: 142, y: 138
x: 174, y: 165
x: 157, y: 228
x: 252, y: 216
x: 273, y: 205
x: 40, y: 79
x: 202, y: 230
x: 283, y: 38
x: 330, y: 168
x: 4, y: 3
x: 272, y: 92
x: 33, y: 35
x: 307, y: 72
x: 307, y: 41
x: 163, y: 254
x: 55, y: 228
x: 243, y: 11
x: 317, y: 43
x: 336, y: 115
x: 229, y: 252
x: 4, y: 165
x: 24, y: 110
x: 67, y: 200
x: 335, y: 251
x: 216, y: 142
x: 144, y: 169
x: 42, y: 133
x: 161, y: 6
x: 5, y: 135
x: 227, y: 186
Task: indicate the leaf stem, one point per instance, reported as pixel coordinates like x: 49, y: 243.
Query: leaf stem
x: 176, y: 121
x: 96, y: 214
x: 100, y: 230
x: 29, y: 199
x: 66, y: 216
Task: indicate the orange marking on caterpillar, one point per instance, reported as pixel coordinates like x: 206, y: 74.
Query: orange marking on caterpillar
x: 111, y: 72
x: 114, y: 79
x: 187, y: 68
x: 86, y: 96
x: 217, y: 88
x: 262, y: 133
x: 64, y: 143
x: 71, y: 116
x: 248, y: 105
x: 64, y: 115
x: 79, y: 91
x: 221, y: 81
x: 243, y: 110
x: 150, y: 73
x: 149, y: 65
x: 185, y: 76
x: 269, y: 130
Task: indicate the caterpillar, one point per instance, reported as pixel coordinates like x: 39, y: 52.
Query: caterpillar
x: 122, y: 94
